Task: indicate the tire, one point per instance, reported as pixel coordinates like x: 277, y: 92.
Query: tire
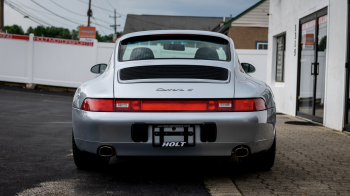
x: 260, y: 161
x: 266, y: 160
x: 84, y: 160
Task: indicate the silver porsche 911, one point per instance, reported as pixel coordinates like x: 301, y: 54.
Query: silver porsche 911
x: 173, y: 93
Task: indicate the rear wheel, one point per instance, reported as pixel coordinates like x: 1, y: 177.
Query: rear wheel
x: 267, y: 159
x: 84, y: 160
x: 261, y: 161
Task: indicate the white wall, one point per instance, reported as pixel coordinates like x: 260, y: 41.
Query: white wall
x: 48, y: 63
x: 285, y: 19
x: 69, y: 65
x: 13, y: 55
x: 257, y: 58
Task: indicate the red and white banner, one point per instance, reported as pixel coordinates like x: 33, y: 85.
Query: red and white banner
x: 47, y: 39
x: 322, y: 20
x: 63, y: 41
x: 11, y: 36
x: 308, y: 25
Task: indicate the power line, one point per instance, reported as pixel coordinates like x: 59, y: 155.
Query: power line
x: 39, y: 12
x: 31, y: 17
x: 67, y: 9
x: 24, y: 14
x: 70, y: 20
x: 28, y: 13
x: 77, y: 13
x: 99, y: 26
x: 110, y: 4
x: 55, y: 13
x: 96, y: 6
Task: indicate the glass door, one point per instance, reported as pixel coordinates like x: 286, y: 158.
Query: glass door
x: 311, y: 70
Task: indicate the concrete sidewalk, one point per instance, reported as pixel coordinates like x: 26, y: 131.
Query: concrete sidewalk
x: 310, y: 160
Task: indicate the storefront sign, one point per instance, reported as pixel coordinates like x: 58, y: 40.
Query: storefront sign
x: 308, y: 41
x: 87, y: 34
x: 11, y: 36
x: 63, y: 41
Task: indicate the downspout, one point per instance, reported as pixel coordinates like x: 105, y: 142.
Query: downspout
x: 347, y: 75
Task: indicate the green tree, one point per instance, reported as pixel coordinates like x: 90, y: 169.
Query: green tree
x: 323, y: 44
x: 14, y: 29
x: 56, y: 32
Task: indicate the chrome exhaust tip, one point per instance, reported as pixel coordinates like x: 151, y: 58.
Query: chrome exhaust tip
x: 106, y: 151
x: 241, y: 151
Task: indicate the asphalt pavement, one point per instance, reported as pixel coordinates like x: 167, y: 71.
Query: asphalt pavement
x: 36, y: 156
x: 36, y: 159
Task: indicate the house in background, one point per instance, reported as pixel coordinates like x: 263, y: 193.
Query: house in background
x: 248, y: 30
x: 136, y: 23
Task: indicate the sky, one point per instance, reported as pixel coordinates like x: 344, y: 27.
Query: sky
x: 72, y: 13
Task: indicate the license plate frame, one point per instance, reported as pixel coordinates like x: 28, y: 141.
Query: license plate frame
x: 162, y: 136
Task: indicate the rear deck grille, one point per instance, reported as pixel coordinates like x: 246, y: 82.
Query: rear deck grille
x: 174, y: 72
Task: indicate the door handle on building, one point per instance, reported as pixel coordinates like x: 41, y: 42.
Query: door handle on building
x: 312, y: 68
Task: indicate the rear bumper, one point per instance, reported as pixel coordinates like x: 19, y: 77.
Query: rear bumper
x: 255, y: 130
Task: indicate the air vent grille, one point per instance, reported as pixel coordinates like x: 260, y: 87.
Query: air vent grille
x: 174, y: 72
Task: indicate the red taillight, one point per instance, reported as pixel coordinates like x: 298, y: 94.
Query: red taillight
x: 150, y: 105
x: 245, y: 105
x: 98, y: 105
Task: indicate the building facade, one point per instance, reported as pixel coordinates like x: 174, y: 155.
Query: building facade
x: 135, y: 23
x: 307, y: 56
x: 248, y: 30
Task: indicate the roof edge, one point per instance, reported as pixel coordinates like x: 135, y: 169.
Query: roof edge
x: 228, y: 23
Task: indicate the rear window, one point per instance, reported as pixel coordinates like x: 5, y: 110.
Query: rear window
x: 174, y: 47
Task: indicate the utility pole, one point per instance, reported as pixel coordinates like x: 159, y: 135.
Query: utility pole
x: 115, y: 22
x: 2, y: 15
x: 89, y: 13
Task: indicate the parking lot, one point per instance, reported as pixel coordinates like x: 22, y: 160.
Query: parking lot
x: 36, y: 159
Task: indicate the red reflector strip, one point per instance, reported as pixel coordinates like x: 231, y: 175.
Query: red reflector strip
x: 219, y: 105
x: 174, y: 105
x: 98, y: 105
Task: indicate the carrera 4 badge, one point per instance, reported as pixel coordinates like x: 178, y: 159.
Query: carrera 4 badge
x: 173, y: 144
x: 162, y: 89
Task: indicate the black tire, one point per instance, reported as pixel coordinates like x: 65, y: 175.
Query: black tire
x: 260, y: 161
x: 267, y: 159
x: 84, y: 160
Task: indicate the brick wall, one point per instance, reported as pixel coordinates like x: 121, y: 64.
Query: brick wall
x: 245, y: 37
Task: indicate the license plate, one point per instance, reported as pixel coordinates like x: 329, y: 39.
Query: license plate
x: 173, y: 135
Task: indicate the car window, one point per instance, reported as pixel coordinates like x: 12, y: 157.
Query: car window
x: 174, y: 47
x: 94, y: 69
x: 103, y: 68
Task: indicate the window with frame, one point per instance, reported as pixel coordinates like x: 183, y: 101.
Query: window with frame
x: 261, y: 45
x: 280, y: 54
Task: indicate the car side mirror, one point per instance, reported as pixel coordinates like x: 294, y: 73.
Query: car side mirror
x: 99, y: 68
x: 248, y: 68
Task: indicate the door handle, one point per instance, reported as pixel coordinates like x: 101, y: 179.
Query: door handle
x: 312, y: 68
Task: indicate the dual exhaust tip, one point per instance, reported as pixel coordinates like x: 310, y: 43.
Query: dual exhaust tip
x: 106, y: 151
x: 241, y: 151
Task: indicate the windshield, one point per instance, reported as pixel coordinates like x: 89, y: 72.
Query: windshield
x: 174, y: 47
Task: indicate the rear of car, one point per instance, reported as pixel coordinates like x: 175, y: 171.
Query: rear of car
x: 173, y: 93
